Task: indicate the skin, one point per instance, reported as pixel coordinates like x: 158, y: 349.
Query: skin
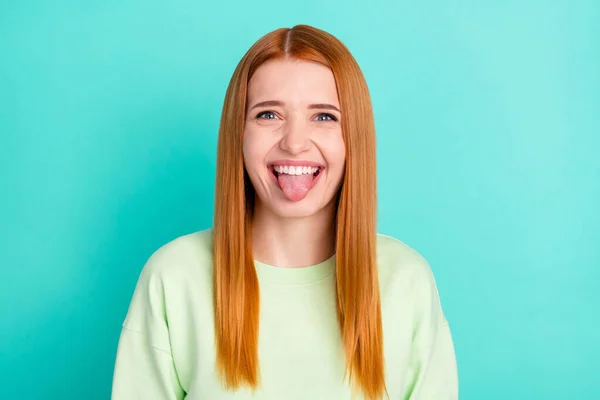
x: 301, y: 122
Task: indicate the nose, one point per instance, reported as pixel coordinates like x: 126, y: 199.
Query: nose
x: 296, y: 137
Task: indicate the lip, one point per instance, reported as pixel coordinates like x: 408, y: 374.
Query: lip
x: 296, y: 163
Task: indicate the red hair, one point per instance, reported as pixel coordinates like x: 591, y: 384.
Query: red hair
x: 236, y: 289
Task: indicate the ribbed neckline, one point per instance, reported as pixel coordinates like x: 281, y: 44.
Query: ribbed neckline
x: 298, y: 275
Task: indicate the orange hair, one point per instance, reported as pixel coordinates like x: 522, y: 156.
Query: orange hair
x: 236, y: 289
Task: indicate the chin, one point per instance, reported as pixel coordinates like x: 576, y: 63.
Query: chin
x: 295, y: 210
x: 307, y: 207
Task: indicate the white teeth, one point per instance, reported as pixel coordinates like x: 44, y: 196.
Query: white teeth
x: 293, y: 170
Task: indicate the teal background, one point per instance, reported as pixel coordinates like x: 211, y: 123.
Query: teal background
x: 488, y: 121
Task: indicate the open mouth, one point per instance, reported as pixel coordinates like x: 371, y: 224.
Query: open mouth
x: 295, y: 181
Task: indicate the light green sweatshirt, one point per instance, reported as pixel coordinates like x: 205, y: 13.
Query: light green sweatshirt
x: 166, y: 349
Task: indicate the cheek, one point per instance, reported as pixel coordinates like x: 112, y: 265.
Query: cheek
x: 250, y: 148
x: 255, y: 149
x: 336, y: 158
x: 335, y: 150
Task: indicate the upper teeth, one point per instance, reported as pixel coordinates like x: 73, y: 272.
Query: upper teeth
x: 291, y: 170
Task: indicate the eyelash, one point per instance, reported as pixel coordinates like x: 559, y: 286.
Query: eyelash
x: 261, y: 114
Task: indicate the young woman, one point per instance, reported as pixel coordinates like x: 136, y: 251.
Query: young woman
x: 292, y: 294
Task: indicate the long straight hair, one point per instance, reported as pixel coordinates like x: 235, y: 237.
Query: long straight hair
x: 236, y: 288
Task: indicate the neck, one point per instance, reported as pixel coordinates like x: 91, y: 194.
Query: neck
x: 293, y: 242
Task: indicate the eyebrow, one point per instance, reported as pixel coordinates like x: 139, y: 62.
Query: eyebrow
x: 320, y: 106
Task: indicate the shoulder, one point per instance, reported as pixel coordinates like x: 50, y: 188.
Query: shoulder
x: 182, y: 265
x: 181, y: 257
x: 394, y: 257
x: 175, y: 270
x: 404, y: 272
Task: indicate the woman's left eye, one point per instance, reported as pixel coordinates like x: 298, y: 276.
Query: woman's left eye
x: 326, y: 117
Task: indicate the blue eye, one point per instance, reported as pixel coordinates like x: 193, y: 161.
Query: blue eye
x: 266, y: 115
x: 326, y: 117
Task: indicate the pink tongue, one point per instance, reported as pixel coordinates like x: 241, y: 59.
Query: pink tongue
x: 295, y: 187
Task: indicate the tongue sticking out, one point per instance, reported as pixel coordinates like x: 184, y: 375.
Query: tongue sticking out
x: 295, y: 187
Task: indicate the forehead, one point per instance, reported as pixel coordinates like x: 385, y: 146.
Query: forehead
x: 293, y: 81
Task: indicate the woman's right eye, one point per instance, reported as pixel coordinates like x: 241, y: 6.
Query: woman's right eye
x: 266, y: 115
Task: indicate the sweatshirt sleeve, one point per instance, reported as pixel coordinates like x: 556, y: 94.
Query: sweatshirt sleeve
x: 433, y: 370
x: 144, y: 367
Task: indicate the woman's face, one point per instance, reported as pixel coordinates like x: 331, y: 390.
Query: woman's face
x: 293, y: 146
